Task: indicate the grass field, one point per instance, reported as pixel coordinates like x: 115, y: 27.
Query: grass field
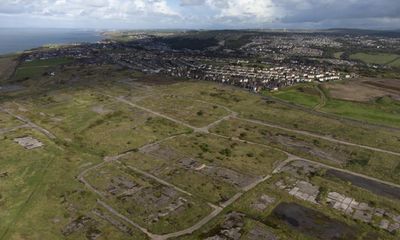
x: 6, y: 121
x: 97, y: 122
x: 379, y: 165
x: 376, y: 58
x: 36, y: 68
x: 195, y: 113
x: 384, y: 110
x: 241, y: 157
x: 46, y: 62
x: 338, y: 55
x: 355, y: 102
x: 305, y: 95
x: 395, y: 63
x: 32, y: 207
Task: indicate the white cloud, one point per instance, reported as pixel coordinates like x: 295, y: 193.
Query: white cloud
x: 192, y: 2
x: 93, y: 8
x: 201, y: 13
x: 246, y: 9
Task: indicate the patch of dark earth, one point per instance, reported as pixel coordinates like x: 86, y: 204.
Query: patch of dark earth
x: 311, y: 223
x: 378, y: 188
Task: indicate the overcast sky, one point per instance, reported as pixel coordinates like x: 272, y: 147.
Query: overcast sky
x: 214, y: 14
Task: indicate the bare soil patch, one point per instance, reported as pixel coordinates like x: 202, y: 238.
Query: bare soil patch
x: 392, y: 85
x: 161, y: 151
x: 7, y: 66
x: 100, y: 109
x: 370, y: 185
x: 354, y: 91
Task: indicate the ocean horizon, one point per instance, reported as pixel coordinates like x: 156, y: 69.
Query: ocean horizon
x: 14, y: 40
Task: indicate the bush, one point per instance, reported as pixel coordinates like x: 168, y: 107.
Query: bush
x: 226, y: 151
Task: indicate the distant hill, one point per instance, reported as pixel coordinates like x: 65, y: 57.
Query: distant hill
x: 386, y: 33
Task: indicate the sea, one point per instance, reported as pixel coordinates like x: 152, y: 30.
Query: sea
x: 19, y: 39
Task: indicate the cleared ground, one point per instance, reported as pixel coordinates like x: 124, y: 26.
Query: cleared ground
x: 354, y: 91
x: 121, y: 162
x: 7, y: 66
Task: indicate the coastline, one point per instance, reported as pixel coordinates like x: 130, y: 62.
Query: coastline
x: 21, y: 40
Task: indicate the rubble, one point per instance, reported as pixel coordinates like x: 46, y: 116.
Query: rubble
x: 263, y: 202
x: 28, y: 142
x: 231, y: 228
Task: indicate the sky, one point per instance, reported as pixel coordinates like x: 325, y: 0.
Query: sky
x: 200, y: 14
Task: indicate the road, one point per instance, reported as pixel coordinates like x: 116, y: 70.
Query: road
x: 6, y: 130
x: 30, y: 123
x: 121, y: 99
x: 323, y: 98
x: 157, y: 179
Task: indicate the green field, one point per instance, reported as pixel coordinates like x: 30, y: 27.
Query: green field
x: 338, y: 55
x: 195, y: 113
x: 302, y: 95
x: 395, y: 63
x: 46, y: 62
x: 376, y: 58
x: 382, y: 110
x: 36, y: 68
